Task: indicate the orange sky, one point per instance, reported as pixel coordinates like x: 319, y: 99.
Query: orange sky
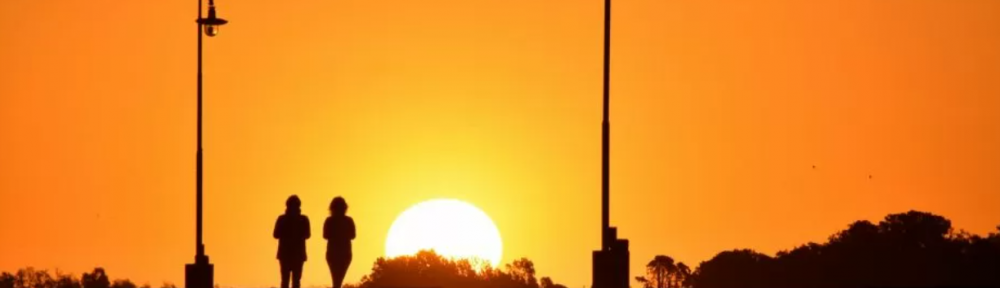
x: 720, y: 109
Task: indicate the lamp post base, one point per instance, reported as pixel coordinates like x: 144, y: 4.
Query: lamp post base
x: 200, y: 274
x: 610, y: 268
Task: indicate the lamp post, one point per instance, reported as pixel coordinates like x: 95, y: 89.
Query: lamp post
x: 200, y: 274
x: 610, y: 264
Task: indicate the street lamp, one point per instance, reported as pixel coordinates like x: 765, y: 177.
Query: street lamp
x: 211, y: 23
x: 200, y: 274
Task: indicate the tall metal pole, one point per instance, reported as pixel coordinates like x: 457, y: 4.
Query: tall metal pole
x: 611, y: 263
x: 606, y: 135
x: 199, y: 246
x: 201, y: 273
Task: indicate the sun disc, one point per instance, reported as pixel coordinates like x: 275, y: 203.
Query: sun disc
x: 452, y: 228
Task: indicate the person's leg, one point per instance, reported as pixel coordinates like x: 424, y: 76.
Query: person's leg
x: 333, y: 266
x: 285, y: 269
x: 341, y: 271
x: 297, y: 274
x: 338, y: 280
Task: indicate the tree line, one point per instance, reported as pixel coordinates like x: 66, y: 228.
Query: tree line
x: 31, y: 278
x: 428, y: 269
x: 424, y: 269
x: 912, y: 249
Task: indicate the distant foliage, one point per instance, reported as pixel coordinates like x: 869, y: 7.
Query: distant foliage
x: 523, y: 271
x: 123, y: 284
x: 546, y: 282
x: 96, y: 279
x: 31, y: 278
x: 913, y: 249
x: 662, y: 272
x: 7, y: 280
x: 67, y: 281
x: 428, y: 269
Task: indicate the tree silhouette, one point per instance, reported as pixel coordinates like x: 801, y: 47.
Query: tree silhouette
x: 659, y: 271
x: 912, y: 249
x: 662, y: 272
x: 523, y: 270
x: 95, y: 279
x: 32, y: 278
x: 682, y: 276
x: 546, y: 282
x: 428, y: 269
x: 123, y: 284
x: 7, y: 280
x: 737, y: 268
x: 67, y: 281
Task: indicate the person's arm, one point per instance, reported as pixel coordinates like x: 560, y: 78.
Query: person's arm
x: 326, y: 229
x: 277, y: 228
x: 308, y: 229
x: 351, y: 233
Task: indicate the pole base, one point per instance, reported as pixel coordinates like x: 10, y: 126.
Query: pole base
x: 200, y: 274
x: 610, y: 268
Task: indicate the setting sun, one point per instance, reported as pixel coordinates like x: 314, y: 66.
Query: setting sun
x: 451, y: 228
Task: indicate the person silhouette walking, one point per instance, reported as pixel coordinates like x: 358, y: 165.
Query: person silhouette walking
x: 338, y: 230
x: 292, y: 230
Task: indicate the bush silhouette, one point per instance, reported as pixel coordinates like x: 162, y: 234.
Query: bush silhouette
x: 428, y: 269
x: 912, y: 249
x: 29, y: 277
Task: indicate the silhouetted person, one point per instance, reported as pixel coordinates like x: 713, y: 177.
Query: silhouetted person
x: 338, y: 230
x: 292, y: 230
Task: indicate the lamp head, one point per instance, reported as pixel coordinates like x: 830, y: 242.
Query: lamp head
x: 212, y: 23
